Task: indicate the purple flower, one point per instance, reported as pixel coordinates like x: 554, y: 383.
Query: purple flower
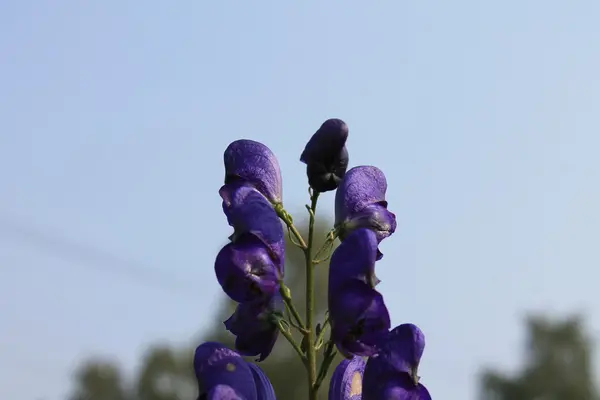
x: 394, y: 370
x: 346, y: 381
x: 253, y: 163
x: 358, y: 315
x: 326, y: 156
x: 222, y: 374
x: 360, y: 203
x: 246, y: 271
x: 248, y: 211
x: 359, y: 318
x: 254, y: 327
x: 354, y: 258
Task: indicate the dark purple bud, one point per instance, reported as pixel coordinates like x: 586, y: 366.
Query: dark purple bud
x: 254, y: 327
x: 248, y: 211
x: 346, y: 380
x: 359, y: 318
x: 360, y: 203
x: 223, y: 372
x: 253, y: 163
x: 246, y: 271
x: 387, y: 384
x: 326, y: 156
x: 354, y: 259
x: 264, y: 388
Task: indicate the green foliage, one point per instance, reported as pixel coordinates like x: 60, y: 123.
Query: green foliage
x: 166, y: 373
x: 557, y: 365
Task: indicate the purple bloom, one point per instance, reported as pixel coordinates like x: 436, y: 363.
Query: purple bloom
x: 360, y: 203
x: 346, y: 381
x: 254, y: 328
x: 246, y: 271
x: 223, y: 374
x: 358, y: 315
x: 354, y: 258
x: 326, y: 156
x: 248, y: 211
x: 253, y: 163
x: 359, y: 318
x: 393, y: 372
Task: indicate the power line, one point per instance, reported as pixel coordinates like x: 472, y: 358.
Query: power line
x: 92, y: 257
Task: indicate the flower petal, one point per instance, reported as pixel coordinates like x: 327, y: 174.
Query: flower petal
x: 346, y: 380
x: 404, y: 348
x: 248, y: 211
x: 215, y: 365
x: 254, y: 163
x: 246, y: 271
x: 386, y: 384
x: 375, y: 217
x: 264, y: 389
x: 223, y: 392
x: 359, y: 318
x: 361, y: 186
x: 354, y: 258
x: 255, y: 330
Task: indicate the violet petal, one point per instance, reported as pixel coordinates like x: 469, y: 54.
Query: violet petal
x: 354, y: 258
x: 359, y: 318
x: 248, y: 211
x: 254, y: 163
x: 245, y: 270
x: 215, y: 365
x: 346, y: 380
x: 254, y: 328
x: 264, y: 388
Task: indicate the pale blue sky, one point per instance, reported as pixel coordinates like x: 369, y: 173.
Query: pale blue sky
x: 114, y: 116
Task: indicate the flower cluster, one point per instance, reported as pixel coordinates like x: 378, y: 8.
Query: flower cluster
x: 250, y: 269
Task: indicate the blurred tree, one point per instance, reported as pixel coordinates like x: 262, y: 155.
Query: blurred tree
x: 557, y: 365
x: 99, y: 379
x: 166, y: 373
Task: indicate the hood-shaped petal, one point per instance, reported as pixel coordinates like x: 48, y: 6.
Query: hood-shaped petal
x: 346, y: 380
x: 254, y: 328
x: 246, y: 271
x: 248, y: 211
x: 254, y: 163
x: 326, y: 156
x: 218, y: 368
x: 404, y: 348
x: 264, y: 389
x: 355, y: 259
x: 361, y: 186
x: 359, y: 318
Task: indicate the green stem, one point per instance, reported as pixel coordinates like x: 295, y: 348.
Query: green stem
x: 286, y: 333
x: 311, y: 354
x: 287, y: 299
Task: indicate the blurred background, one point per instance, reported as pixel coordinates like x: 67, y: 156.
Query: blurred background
x: 113, y: 119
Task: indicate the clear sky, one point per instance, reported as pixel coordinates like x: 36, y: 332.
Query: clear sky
x: 114, y: 116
